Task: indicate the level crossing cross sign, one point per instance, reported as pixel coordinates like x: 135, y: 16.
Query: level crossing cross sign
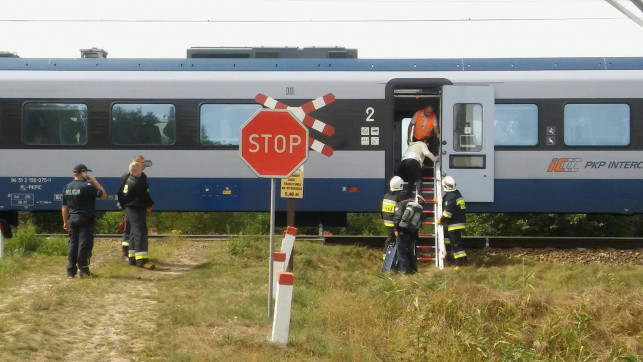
x: 273, y: 143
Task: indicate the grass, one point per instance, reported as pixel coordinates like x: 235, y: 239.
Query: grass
x: 343, y: 309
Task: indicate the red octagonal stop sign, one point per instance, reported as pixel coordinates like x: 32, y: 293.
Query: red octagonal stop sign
x: 273, y: 143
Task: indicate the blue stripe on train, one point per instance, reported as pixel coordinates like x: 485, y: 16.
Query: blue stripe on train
x: 564, y: 196
x: 195, y: 194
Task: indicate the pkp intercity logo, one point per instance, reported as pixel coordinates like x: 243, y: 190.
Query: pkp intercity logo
x: 564, y: 164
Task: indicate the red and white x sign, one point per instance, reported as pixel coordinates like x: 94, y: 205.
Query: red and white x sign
x: 303, y: 116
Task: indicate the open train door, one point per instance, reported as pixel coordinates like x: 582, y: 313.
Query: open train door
x: 468, y: 140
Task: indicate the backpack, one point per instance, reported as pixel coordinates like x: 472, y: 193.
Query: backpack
x: 411, y: 219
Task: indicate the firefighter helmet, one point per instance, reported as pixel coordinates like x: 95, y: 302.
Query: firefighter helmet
x: 448, y: 183
x: 396, y: 183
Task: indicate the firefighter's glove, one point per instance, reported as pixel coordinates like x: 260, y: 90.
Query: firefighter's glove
x: 440, y: 221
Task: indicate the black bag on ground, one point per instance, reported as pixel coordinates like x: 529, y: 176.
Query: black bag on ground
x: 390, y: 259
x: 412, y: 217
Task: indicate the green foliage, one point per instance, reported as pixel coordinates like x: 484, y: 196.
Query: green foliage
x: 106, y: 222
x: 24, y: 241
x: 554, y: 225
x: 249, y: 247
x: 56, y: 246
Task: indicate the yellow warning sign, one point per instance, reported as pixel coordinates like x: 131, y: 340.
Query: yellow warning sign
x: 293, y: 186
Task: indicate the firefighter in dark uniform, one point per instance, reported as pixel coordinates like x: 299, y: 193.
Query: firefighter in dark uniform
x: 79, y: 204
x: 454, y: 218
x: 406, y: 240
x: 137, y: 203
x: 120, y: 196
x: 391, y: 198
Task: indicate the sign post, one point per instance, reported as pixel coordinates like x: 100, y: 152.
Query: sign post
x: 292, y: 188
x: 273, y: 144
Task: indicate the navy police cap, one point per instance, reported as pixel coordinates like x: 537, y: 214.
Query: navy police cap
x: 80, y: 168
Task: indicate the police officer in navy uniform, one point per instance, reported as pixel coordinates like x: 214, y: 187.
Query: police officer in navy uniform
x: 121, y: 200
x: 79, y: 204
x: 137, y: 202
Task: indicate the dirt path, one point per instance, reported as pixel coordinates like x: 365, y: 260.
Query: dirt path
x: 109, y: 318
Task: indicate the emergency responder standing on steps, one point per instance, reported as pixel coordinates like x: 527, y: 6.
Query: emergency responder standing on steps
x: 410, y: 168
x: 137, y: 202
x: 453, y: 219
x: 79, y: 204
x: 424, y: 127
x: 391, y: 198
x: 120, y: 196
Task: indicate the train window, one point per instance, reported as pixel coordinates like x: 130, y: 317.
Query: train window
x: 220, y: 123
x: 467, y: 127
x: 54, y: 124
x: 143, y: 124
x: 597, y: 124
x: 516, y: 125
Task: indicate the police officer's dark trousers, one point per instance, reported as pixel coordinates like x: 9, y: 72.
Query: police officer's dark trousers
x: 81, y: 242
x: 405, y: 253
x: 138, y: 235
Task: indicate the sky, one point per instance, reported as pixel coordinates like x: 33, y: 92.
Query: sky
x: 377, y: 28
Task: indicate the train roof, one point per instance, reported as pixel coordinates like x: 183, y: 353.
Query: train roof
x: 320, y: 64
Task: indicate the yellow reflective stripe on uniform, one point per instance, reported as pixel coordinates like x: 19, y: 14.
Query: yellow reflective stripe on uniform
x: 446, y: 213
x: 459, y: 254
x: 131, y: 254
x: 447, y: 241
x: 141, y: 255
x: 388, y: 206
x: 125, y: 243
x: 456, y: 227
x: 460, y: 202
x: 388, y: 223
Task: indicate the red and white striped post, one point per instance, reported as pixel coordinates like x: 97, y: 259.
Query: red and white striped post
x: 287, y: 244
x: 283, y: 304
x: 278, y: 266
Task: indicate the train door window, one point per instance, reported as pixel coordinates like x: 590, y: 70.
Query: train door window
x: 597, y: 124
x: 54, y: 123
x: 516, y: 124
x: 143, y: 124
x: 467, y: 127
x: 220, y: 123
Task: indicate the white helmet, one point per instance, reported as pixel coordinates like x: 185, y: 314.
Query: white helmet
x: 448, y: 183
x: 396, y: 183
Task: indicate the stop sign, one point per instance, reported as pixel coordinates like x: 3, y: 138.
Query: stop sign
x: 273, y: 143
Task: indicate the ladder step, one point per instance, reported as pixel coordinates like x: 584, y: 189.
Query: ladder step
x: 427, y: 178
x: 428, y: 212
x: 426, y: 235
x: 427, y: 223
x: 427, y: 189
x: 425, y: 247
x: 425, y: 259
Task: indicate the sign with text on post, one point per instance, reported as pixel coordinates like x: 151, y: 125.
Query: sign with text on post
x: 293, y: 186
x: 273, y: 143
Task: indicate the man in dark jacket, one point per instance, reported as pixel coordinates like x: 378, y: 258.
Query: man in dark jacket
x: 79, y: 204
x: 454, y: 219
x: 137, y: 202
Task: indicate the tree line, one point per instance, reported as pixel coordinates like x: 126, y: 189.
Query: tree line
x: 256, y: 223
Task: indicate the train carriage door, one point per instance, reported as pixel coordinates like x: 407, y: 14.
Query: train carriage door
x: 468, y: 140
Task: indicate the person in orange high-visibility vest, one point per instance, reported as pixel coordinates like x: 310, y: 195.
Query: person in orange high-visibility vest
x: 424, y: 127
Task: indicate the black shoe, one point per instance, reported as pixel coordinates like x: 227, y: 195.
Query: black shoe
x: 87, y: 275
x: 69, y: 276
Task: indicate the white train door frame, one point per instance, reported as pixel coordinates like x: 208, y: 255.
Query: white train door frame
x: 468, y: 140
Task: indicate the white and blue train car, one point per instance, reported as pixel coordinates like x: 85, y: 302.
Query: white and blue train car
x: 519, y: 135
